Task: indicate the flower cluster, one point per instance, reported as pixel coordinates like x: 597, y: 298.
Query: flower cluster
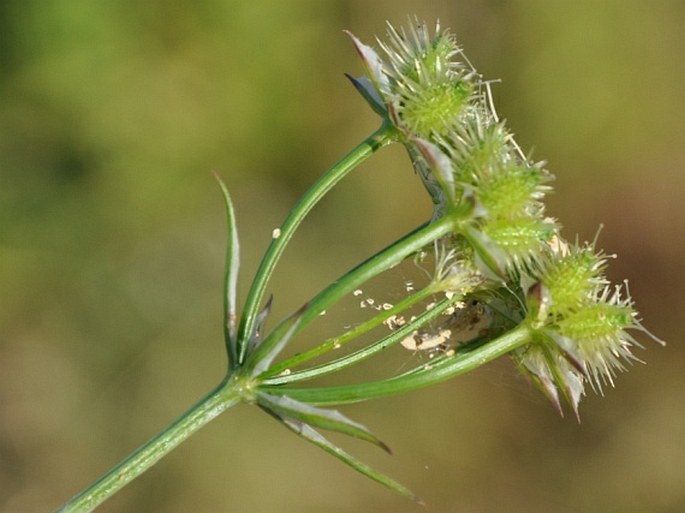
x: 469, y: 163
x: 504, y: 282
x: 462, y: 152
x: 579, y: 323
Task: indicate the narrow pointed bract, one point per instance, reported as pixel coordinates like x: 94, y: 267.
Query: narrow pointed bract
x: 264, y: 354
x: 331, y: 420
x: 255, y: 337
x: 231, y: 268
x: 312, y: 435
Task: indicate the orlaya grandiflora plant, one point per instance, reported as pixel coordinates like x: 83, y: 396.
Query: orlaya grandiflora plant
x: 504, y: 282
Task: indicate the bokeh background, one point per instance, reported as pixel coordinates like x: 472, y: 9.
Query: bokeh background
x: 112, y: 235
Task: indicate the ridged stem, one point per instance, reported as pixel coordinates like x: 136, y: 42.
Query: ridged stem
x: 224, y: 396
x: 384, y: 135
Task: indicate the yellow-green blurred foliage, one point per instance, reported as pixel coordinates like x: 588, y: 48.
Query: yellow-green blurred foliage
x: 112, y: 234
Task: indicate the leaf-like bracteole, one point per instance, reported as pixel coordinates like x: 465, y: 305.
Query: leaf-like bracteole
x: 490, y: 258
x: 572, y: 387
x: 538, y: 301
x: 265, y: 354
x: 258, y: 329
x: 441, y: 164
x: 543, y: 380
x: 331, y: 420
x: 310, y: 434
x: 231, y: 269
x: 369, y: 93
x: 569, y: 350
x: 372, y: 61
x: 568, y: 381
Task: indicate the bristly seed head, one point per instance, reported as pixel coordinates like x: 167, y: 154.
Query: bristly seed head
x: 426, y: 83
x: 581, y: 325
x: 421, y: 83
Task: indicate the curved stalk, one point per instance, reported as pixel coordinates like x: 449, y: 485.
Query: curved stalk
x: 335, y: 343
x: 441, y: 371
x: 217, y: 401
x: 365, y: 352
x: 381, y: 261
x: 384, y: 135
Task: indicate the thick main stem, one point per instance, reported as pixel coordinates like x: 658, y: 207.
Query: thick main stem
x: 375, y: 141
x: 214, y: 403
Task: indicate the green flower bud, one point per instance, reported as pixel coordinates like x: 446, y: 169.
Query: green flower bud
x: 595, y: 336
x: 574, y: 277
x: 521, y: 239
x: 481, y: 147
x: 427, y: 111
x: 515, y: 190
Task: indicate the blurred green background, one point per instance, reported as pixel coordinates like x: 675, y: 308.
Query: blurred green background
x: 112, y: 237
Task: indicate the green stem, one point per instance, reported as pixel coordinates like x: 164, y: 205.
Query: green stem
x: 335, y: 343
x: 365, y: 352
x: 214, y: 403
x: 442, y: 371
x: 381, y: 261
x: 384, y: 135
